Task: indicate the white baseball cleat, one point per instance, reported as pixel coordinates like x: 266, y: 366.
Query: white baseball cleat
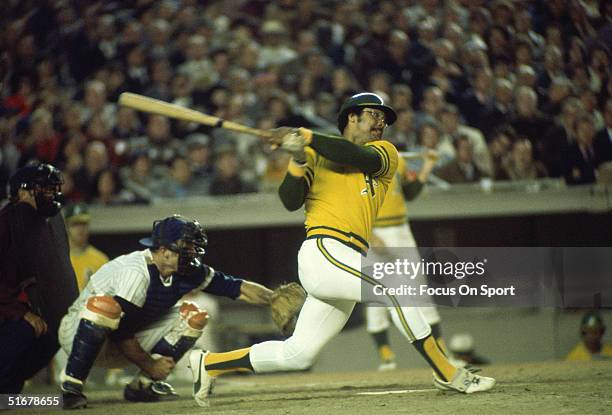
x: 465, y: 382
x: 202, y: 381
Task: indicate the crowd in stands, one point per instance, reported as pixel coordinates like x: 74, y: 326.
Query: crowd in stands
x: 510, y: 90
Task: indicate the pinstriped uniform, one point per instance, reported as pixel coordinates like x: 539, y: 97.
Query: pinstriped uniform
x: 341, y: 206
x: 128, y: 277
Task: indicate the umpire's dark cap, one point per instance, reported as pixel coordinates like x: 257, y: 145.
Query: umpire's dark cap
x: 364, y: 100
x: 166, y: 232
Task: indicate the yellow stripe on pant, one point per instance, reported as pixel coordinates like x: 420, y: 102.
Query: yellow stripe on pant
x: 369, y: 280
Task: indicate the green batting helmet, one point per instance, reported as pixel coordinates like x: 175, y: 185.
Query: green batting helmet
x: 364, y: 100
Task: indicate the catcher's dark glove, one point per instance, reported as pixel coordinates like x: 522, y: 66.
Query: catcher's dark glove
x: 285, y: 305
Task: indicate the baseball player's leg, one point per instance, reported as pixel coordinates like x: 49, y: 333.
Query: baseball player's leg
x: 377, y: 325
x: 172, y: 335
x: 377, y: 317
x: 401, y: 236
x: 323, y: 318
x: 433, y: 319
x: 100, y: 316
x: 323, y: 315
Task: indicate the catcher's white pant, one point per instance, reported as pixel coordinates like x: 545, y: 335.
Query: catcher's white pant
x: 330, y: 273
x: 400, y: 236
x: 110, y: 356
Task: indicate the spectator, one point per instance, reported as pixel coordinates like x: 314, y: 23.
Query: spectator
x: 538, y: 128
x: 109, y: 190
x: 180, y: 182
x: 140, y: 178
x: 603, y: 140
x: 462, y: 168
x: 499, y: 149
x: 86, y: 178
x: 451, y: 127
x: 521, y: 165
x: 42, y: 142
x: 226, y: 179
x: 78, y: 59
x: 199, y: 156
x: 581, y: 160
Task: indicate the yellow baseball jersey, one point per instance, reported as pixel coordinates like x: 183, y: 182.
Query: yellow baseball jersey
x: 393, y: 211
x: 342, y: 201
x: 581, y: 354
x: 86, y: 264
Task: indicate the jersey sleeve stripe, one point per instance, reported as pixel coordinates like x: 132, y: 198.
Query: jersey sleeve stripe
x: 384, y: 161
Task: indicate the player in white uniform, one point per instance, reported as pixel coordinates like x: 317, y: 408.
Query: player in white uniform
x: 392, y: 230
x: 342, y: 181
x: 129, y: 312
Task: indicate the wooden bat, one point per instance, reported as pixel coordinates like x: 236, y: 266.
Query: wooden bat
x: 411, y: 155
x: 155, y: 106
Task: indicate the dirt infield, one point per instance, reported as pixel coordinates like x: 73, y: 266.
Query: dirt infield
x: 542, y: 388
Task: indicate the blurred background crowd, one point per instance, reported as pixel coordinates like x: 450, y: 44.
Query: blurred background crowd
x: 509, y: 90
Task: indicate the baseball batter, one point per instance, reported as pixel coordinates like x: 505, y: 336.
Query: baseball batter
x: 342, y: 181
x: 392, y: 230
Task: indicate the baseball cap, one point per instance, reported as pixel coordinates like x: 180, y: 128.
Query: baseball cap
x: 166, y: 232
x: 77, y: 213
x: 592, y: 320
x: 365, y: 100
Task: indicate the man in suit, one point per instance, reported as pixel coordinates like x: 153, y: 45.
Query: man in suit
x: 602, y: 143
x: 581, y: 159
x: 462, y: 168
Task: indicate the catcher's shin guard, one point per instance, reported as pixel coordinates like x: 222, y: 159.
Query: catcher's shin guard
x: 102, y: 314
x: 185, y: 332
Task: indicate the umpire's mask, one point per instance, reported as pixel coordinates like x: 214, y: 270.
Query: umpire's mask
x: 45, y: 181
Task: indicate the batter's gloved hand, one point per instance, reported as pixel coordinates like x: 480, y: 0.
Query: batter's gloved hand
x: 285, y: 304
x: 277, y: 135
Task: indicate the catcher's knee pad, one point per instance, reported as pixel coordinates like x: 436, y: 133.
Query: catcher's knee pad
x: 183, y: 334
x: 100, y: 316
x: 195, y: 319
x: 102, y: 310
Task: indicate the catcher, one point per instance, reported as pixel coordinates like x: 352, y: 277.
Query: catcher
x: 130, y: 311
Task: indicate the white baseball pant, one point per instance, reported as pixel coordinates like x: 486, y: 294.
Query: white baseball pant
x: 330, y: 273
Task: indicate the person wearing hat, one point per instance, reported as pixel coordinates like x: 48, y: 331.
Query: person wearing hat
x: 591, y: 345
x: 85, y: 258
x: 37, y: 283
x: 131, y: 311
x: 342, y: 182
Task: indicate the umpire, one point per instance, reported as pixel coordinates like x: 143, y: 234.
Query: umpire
x: 37, y: 282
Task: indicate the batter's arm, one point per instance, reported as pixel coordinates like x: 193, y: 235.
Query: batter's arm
x: 342, y: 151
x: 292, y: 192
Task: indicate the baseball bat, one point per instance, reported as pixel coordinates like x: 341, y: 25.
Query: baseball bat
x: 411, y: 155
x: 156, y: 106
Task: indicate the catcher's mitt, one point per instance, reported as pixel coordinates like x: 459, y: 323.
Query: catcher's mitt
x: 285, y: 305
